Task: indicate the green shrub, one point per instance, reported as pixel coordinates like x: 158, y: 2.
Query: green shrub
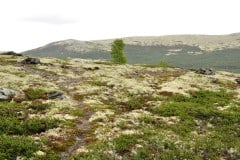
x: 117, y: 52
x: 161, y: 64
x: 208, y: 147
x: 11, y: 109
x: 97, y: 82
x: 48, y: 156
x: 142, y: 153
x: 37, y: 125
x: 14, y: 126
x: 40, y: 107
x: 97, y: 154
x: 124, y: 143
x: 35, y: 93
x: 135, y: 103
x: 138, y: 102
x: 12, y: 147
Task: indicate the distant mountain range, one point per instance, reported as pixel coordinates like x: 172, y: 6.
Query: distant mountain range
x: 221, y: 52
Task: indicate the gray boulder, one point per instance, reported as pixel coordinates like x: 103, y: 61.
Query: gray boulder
x: 55, y: 95
x: 6, y: 94
x: 31, y: 60
x: 206, y: 71
x: 237, y: 80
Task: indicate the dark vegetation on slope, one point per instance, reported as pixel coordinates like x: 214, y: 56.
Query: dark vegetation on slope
x: 15, y: 127
x: 226, y: 59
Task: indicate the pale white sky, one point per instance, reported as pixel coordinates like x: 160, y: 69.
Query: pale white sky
x: 27, y: 24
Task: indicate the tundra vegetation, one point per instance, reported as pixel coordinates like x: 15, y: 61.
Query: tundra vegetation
x: 113, y: 112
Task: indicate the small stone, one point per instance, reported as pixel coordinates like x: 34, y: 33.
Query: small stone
x: 19, y: 97
x: 40, y: 153
x: 37, y: 102
x: 6, y: 94
x: 215, y: 80
x: 237, y: 80
x: 91, y: 68
x: 55, y: 95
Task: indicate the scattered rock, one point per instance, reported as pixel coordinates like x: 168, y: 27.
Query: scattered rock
x: 55, y: 95
x: 11, y: 53
x: 214, y: 80
x: 65, y: 66
x: 40, y: 153
x: 237, y: 80
x: 206, y: 71
x: 166, y: 93
x: 19, y: 97
x: 37, y: 102
x: 31, y: 60
x: 6, y: 94
x: 91, y: 68
x: 47, y: 64
x: 18, y: 100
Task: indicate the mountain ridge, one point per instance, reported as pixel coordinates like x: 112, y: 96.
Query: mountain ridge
x: 136, y: 40
x: 192, y: 51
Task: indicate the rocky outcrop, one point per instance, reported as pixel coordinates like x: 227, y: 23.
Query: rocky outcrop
x: 6, y: 94
x: 11, y: 53
x: 55, y: 95
x: 31, y: 60
x: 206, y: 71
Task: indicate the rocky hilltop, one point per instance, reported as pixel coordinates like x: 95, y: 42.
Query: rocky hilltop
x: 204, y: 42
x: 85, y: 109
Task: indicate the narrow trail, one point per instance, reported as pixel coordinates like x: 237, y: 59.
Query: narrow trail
x: 81, y: 139
x: 82, y: 122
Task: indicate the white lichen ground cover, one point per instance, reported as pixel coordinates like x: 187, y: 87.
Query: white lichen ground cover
x: 118, y: 105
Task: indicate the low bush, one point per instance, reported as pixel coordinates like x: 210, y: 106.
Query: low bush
x: 14, y: 126
x: 124, y: 143
x: 35, y: 93
x: 12, y: 147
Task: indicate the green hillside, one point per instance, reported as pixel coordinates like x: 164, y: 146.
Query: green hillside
x: 227, y: 59
x: 182, y: 56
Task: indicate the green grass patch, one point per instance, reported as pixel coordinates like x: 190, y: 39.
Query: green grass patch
x: 14, y: 120
x: 97, y: 82
x: 161, y: 64
x: 124, y: 143
x: 35, y: 93
x: 39, y: 107
x: 15, y: 126
x: 137, y: 102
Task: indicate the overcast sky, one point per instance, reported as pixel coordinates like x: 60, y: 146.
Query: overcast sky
x: 27, y: 24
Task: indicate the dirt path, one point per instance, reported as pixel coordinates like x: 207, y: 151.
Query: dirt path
x: 81, y: 139
x: 82, y: 122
